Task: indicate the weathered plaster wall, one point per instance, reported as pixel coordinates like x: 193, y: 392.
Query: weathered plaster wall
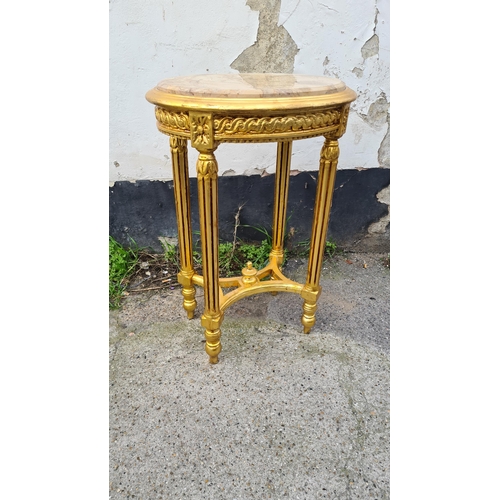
x: 155, y: 39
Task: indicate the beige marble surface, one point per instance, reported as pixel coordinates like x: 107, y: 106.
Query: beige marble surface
x: 248, y: 85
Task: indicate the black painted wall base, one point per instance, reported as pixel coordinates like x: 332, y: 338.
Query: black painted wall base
x: 145, y: 210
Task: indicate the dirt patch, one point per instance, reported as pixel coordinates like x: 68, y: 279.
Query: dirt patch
x: 153, y: 272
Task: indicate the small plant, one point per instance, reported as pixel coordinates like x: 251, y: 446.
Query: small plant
x: 330, y: 248
x: 234, y: 255
x: 122, y: 262
x: 171, y: 253
x: 258, y: 254
x: 226, y: 258
x: 302, y: 248
x: 197, y: 257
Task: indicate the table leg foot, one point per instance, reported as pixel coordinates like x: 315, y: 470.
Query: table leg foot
x: 213, y: 345
x: 213, y: 360
x: 189, y: 301
x: 309, y: 316
x: 188, y: 292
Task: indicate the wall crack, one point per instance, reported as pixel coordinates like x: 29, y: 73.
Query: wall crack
x: 371, y: 46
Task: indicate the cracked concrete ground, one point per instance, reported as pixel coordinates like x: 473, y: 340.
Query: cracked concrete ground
x: 283, y: 414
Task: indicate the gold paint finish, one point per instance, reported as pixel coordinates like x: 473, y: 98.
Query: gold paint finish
x: 202, y: 131
x: 282, y: 179
x: 210, y: 109
x: 324, y: 194
x: 178, y: 149
x: 207, y: 168
x: 205, y: 128
x: 249, y: 275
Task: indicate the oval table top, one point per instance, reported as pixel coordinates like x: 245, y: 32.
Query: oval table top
x: 249, y: 91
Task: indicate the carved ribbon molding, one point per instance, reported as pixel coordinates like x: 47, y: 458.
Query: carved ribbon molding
x: 204, y: 129
x: 172, y: 119
x: 275, y: 124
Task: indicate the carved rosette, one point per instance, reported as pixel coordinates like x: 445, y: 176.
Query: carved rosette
x: 202, y: 133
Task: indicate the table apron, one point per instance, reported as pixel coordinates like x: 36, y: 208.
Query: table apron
x: 240, y: 127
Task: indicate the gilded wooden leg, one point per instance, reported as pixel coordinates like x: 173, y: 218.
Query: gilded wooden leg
x: 283, y: 160
x: 323, y: 202
x: 178, y: 148
x: 209, y: 228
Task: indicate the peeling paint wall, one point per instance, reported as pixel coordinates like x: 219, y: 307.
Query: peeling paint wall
x: 274, y: 50
x: 155, y: 39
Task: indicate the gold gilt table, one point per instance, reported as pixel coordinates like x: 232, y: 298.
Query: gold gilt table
x: 210, y: 109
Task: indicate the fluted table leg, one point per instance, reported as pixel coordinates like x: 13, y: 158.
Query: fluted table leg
x: 322, y: 205
x: 282, y: 180
x: 209, y: 228
x: 178, y: 148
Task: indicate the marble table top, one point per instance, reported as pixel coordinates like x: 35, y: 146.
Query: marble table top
x: 251, y: 85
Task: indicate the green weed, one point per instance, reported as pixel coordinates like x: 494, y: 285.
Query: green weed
x: 331, y: 249
x: 302, y: 248
x: 234, y: 255
x: 122, y: 262
x: 258, y: 254
x: 226, y: 258
x: 171, y: 253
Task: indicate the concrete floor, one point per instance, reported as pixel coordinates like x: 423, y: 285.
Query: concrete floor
x: 283, y: 414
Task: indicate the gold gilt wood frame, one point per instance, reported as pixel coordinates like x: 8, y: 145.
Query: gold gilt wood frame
x: 206, y: 122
